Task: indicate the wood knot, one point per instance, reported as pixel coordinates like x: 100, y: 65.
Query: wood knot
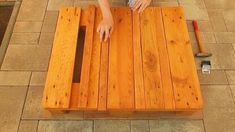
x: 187, y: 42
x: 120, y: 20
x: 181, y: 59
x: 145, y: 22
x: 150, y: 61
x: 188, y: 103
x: 172, y: 42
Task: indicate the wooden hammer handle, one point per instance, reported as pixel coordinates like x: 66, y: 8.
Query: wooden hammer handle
x: 198, y: 36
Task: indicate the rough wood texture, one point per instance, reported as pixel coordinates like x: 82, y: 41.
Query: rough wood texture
x: 183, y: 70
x: 87, y: 19
x: 140, y: 103
x: 60, y: 73
x: 120, y: 77
x: 146, y: 65
x: 151, y: 61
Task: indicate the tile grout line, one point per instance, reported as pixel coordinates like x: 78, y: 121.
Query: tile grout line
x: 130, y: 125
x: 24, y: 70
x: 54, y: 119
x: 148, y: 126
x: 224, y: 20
x: 204, y: 126
x: 43, y: 22
x: 231, y: 92
x: 23, y: 106
x: 230, y: 89
x: 93, y: 125
x: 37, y: 125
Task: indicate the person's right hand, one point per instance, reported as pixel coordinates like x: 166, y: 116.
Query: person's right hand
x: 105, y: 28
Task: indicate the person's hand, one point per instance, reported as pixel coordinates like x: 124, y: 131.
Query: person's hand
x: 105, y: 28
x: 139, y: 5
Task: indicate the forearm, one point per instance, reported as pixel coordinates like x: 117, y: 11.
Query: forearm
x: 105, y: 8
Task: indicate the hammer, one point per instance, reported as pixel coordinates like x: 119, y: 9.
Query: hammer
x: 202, y: 49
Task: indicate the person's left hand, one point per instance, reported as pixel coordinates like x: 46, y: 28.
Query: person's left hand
x: 139, y: 5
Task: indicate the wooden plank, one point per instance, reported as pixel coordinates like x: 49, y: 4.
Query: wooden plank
x: 121, y: 77
x: 74, y: 96
x: 169, y: 100
x: 103, y: 80
x: 183, y: 70
x: 151, y: 63
x: 60, y: 73
x: 138, y: 69
x: 92, y: 103
x: 87, y: 19
x: 103, y: 87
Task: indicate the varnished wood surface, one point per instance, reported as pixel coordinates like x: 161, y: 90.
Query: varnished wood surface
x: 146, y: 65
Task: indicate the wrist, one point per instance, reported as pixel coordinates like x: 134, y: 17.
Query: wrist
x: 107, y: 16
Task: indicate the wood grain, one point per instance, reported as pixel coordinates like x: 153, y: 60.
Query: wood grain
x: 183, y: 70
x: 151, y: 62
x: 146, y: 65
x: 103, y: 80
x: 138, y: 64
x: 168, y: 95
x: 92, y: 102
x: 121, y: 76
x: 60, y: 72
x: 87, y: 19
x: 103, y: 86
x: 74, y: 96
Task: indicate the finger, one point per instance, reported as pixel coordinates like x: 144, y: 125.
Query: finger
x: 141, y: 9
x: 106, y: 34
x: 136, y: 2
x: 101, y: 34
x: 111, y: 31
x: 137, y: 6
x: 132, y: 3
x: 98, y: 29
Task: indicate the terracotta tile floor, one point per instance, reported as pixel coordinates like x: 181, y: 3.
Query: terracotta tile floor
x: 23, y: 72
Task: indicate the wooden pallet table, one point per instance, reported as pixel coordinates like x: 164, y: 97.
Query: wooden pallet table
x: 147, y: 65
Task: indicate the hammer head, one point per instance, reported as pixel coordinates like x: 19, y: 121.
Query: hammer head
x: 203, y: 54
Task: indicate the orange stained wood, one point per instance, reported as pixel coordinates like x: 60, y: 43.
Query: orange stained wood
x: 87, y: 19
x: 138, y: 65
x: 93, y: 87
x: 60, y: 72
x: 103, y: 84
x: 168, y: 95
x: 146, y: 65
x: 121, y: 73
x: 151, y: 59
x: 103, y: 70
x: 183, y: 70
